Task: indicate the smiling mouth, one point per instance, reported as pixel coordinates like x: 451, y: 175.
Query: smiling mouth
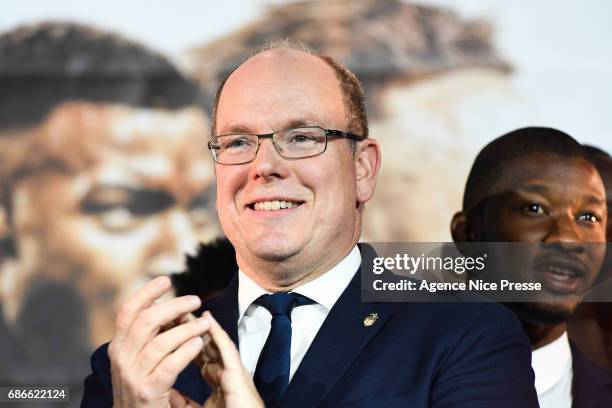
x: 274, y: 205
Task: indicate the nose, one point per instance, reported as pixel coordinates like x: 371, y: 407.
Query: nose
x: 176, y: 239
x: 268, y: 163
x: 564, y: 232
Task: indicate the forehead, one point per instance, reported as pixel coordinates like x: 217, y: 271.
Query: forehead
x: 560, y: 175
x: 123, y: 127
x: 80, y: 131
x: 120, y: 142
x: 278, y: 87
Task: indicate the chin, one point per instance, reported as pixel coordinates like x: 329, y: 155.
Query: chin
x: 543, y: 313
x: 274, y: 249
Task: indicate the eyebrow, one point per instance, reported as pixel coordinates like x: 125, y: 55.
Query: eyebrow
x: 534, y: 188
x: 296, y: 123
x: 238, y: 129
x: 543, y: 189
x: 244, y: 129
x: 593, y: 199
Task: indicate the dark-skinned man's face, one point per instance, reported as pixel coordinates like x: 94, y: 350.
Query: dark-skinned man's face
x: 558, y: 205
x: 604, y: 166
x: 126, y: 192
x: 605, y: 171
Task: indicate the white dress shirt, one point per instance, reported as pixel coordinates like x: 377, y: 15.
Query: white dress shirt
x: 254, y: 320
x: 552, y: 365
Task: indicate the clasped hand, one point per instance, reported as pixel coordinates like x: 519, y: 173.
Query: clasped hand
x: 154, y: 342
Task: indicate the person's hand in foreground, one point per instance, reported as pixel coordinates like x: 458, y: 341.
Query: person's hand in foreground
x: 231, y: 384
x: 146, y: 359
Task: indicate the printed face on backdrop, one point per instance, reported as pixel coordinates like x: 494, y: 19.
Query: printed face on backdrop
x: 560, y: 205
x: 124, y: 193
x: 430, y: 130
x: 277, y: 90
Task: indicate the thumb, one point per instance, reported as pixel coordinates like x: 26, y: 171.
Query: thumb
x: 178, y: 400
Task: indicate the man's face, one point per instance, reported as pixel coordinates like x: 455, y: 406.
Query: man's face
x: 605, y: 171
x: 604, y: 166
x: 558, y: 204
x: 271, y: 92
x: 125, y: 194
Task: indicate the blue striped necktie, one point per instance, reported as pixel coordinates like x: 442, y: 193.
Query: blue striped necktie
x: 272, y: 373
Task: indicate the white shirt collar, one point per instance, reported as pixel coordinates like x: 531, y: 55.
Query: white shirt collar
x: 325, y: 290
x: 550, y: 363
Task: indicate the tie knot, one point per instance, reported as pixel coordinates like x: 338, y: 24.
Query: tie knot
x: 282, y: 303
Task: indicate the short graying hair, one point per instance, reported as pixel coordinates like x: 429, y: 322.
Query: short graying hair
x: 351, y: 88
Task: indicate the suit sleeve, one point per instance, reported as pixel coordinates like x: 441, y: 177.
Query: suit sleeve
x: 489, y: 367
x: 98, y: 391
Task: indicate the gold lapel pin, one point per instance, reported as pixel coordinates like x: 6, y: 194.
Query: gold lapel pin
x: 370, y: 319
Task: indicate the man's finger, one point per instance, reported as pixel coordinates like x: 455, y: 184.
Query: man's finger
x: 182, y: 319
x: 165, y: 374
x: 227, y: 348
x: 211, y: 352
x: 178, y: 400
x: 149, y: 321
x: 165, y: 343
x: 142, y: 299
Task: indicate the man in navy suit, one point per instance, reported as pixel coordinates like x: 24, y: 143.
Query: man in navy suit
x: 294, y: 169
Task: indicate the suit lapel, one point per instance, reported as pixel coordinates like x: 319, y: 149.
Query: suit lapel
x: 591, y: 384
x: 339, y: 341
x: 225, y: 309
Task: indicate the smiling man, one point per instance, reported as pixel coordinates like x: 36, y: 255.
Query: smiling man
x: 537, y: 186
x: 295, y: 168
x: 431, y: 75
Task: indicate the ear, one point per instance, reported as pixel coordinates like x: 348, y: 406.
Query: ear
x: 466, y: 229
x: 464, y: 232
x: 459, y: 227
x: 367, y: 165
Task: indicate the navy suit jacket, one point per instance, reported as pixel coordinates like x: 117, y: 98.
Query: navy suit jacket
x: 422, y: 354
x: 592, y: 384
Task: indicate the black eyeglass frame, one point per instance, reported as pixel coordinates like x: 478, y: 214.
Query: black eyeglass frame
x: 329, y: 133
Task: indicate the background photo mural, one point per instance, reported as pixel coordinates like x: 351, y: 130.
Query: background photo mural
x: 104, y: 116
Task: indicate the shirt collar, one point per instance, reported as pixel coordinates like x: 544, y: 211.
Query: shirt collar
x: 550, y: 363
x: 325, y: 290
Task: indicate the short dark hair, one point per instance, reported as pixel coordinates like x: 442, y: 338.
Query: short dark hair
x: 44, y: 65
x: 351, y: 88
x: 603, y: 162
x: 596, y: 154
x: 490, y: 161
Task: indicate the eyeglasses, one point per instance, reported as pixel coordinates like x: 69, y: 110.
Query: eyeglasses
x: 291, y: 144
